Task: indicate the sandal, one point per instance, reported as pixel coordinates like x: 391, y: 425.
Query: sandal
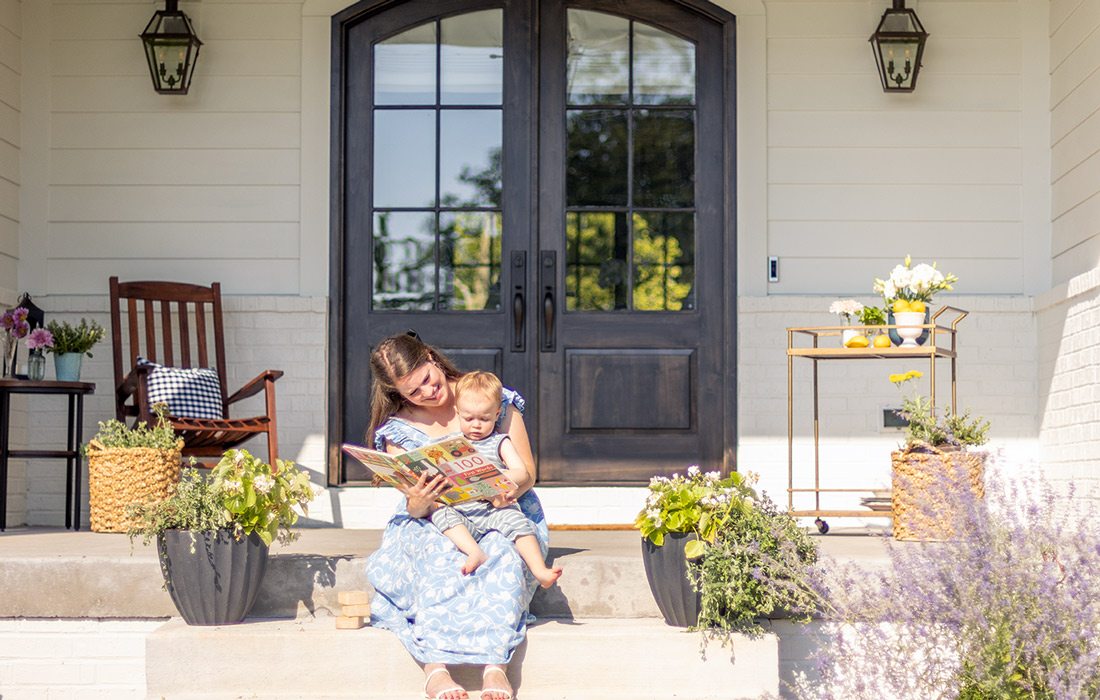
x: 439, y: 695
x: 508, y: 695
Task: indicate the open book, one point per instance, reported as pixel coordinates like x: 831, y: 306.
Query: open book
x: 475, y: 476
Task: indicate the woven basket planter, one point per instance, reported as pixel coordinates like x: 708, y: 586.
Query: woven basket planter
x: 119, y: 476
x: 930, y: 491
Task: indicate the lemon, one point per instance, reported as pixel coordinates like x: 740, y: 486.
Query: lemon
x: 901, y: 306
x: 916, y: 306
x: 882, y: 341
x: 857, y: 341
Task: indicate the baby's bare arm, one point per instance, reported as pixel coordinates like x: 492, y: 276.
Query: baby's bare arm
x: 514, y: 467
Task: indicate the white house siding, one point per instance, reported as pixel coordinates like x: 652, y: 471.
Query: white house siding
x: 836, y: 178
x: 1069, y: 315
x: 11, y: 47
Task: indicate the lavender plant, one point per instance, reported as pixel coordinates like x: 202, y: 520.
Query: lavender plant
x: 1008, y: 609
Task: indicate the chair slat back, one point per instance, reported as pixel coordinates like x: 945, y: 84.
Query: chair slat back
x: 170, y: 323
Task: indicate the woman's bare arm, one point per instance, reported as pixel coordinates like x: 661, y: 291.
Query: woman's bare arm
x: 516, y: 431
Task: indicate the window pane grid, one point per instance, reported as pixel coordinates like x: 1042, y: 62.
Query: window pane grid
x: 620, y: 263
x: 456, y: 264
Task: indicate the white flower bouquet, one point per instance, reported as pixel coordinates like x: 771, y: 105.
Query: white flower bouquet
x: 846, y: 308
x: 910, y: 283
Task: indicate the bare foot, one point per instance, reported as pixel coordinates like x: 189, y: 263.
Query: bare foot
x: 547, y: 576
x: 494, y: 684
x: 440, y: 686
x: 473, y: 561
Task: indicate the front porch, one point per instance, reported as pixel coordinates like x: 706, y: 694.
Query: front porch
x: 84, y: 615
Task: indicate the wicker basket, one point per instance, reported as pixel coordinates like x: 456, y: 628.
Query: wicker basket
x: 930, y: 491
x: 119, y: 476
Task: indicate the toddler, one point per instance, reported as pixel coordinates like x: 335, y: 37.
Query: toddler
x: 477, y: 403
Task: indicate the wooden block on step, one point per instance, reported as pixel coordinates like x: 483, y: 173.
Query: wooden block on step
x: 345, y: 622
x: 353, y: 597
x: 355, y: 610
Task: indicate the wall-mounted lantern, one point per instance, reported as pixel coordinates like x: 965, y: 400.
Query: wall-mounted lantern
x: 898, y: 44
x: 171, y: 48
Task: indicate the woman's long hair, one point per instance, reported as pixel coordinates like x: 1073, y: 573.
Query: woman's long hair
x: 396, y: 357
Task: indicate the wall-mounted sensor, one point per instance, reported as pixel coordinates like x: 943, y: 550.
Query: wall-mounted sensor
x: 773, y: 268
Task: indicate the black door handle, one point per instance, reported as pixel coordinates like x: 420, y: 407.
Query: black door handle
x: 548, y: 280
x: 519, y: 299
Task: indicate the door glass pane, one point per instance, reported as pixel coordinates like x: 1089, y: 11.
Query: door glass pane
x: 664, y: 261
x: 469, y: 157
x: 598, y: 63
x: 472, y: 59
x: 404, y: 261
x: 404, y: 68
x: 664, y: 158
x: 596, y: 161
x: 404, y: 158
x: 664, y: 67
x: 596, y: 253
x: 470, y: 260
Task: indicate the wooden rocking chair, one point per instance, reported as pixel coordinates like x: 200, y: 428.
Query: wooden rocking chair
x: 165, y: 322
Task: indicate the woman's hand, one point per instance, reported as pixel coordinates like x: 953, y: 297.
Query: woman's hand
x: 420, y: 498
x: 504, y: 500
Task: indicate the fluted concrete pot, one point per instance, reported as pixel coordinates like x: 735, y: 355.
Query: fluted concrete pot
x: 666, y: 568
x: 219, y: 582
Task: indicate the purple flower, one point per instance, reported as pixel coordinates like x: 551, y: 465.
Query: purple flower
x: 20, y: 328
x: 20, y: 314
x: 39, y: 338
x: 7, y: 320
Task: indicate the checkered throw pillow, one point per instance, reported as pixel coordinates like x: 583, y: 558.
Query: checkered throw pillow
x: 189, y: 393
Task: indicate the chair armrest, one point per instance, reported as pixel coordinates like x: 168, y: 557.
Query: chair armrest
x: 258, y: 383
x: 132, y: 382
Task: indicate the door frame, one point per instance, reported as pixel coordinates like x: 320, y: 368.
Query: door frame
x: 337, y: 376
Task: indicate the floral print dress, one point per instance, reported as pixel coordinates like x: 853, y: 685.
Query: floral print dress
x: 421, y: 595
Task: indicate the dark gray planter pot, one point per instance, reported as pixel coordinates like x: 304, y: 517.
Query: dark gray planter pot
x: 667, y: 572
x: 218, y: 584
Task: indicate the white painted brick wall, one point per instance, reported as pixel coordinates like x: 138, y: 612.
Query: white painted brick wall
x: 73, y: 659
x: 997, y: 371
x: 1068, y: 321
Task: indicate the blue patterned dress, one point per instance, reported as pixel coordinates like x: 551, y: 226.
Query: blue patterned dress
x: 421, y: 595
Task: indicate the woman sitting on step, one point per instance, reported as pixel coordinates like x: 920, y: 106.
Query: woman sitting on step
x: 441, y: 615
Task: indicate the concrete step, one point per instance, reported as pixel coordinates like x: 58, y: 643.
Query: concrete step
x: 581, y: 659
x: 73, y: 575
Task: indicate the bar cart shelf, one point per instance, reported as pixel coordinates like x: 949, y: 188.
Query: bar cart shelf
x: 941, y: 344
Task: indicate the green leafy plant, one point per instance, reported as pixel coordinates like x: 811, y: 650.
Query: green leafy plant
x: 925, y: 427
x: 161, y: 436
x: 259, y: 499
x: 80, y: 338
x: 195, y: 504
x: 242, y: 493
x: 759, y: 565
x: 696, y: 502
x: 872, y: 316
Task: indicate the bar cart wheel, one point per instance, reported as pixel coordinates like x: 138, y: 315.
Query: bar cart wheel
x: 822, y: 526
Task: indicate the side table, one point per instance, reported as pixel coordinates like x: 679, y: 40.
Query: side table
x: 71, y: 454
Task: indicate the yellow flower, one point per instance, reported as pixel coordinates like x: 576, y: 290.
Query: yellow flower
x: 902, y: 378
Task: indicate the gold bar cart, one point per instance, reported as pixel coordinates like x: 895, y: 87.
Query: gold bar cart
x: 941, y: 343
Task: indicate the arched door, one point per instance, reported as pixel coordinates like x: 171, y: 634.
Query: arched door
x: 542, y: 190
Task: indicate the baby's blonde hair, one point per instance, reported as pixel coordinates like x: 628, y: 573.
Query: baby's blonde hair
x: 483, y: 383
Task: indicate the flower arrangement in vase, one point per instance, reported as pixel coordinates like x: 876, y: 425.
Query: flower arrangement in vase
x: 70, y: 344
x: 907, y: 293
x: 38, y: 342
x: 846, y: 309
x: 15, y: 326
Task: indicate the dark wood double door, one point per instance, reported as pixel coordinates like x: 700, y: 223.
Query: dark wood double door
x: 543, y: 190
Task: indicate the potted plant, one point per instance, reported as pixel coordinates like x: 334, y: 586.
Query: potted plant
x: 70, y: 345
x: 907, y: 294
x: 130, y: 465
x: 214, y: 532
x: 875, y: 316
x: 936, y: 466
x: 680, y: 514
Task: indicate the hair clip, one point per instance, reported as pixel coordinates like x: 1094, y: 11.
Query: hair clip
x: 412, y: 334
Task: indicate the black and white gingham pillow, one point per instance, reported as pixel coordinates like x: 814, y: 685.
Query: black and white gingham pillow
x: 189, y: 393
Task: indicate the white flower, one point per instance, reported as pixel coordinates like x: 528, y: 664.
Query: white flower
x: 693, y: 470
x: 232, y: 486
x: 845, y: 307
x: 263, y: 483
x: 713, y: 476
x: 238, y: 458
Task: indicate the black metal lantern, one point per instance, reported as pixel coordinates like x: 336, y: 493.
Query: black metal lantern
x: 171, y: 48
x: 898, y: 44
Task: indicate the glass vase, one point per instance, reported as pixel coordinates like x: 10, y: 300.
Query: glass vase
x: 36, y: 366
x: 10, y: 346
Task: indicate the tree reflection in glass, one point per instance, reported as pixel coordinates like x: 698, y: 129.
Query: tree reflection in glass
x: 596, y: 273
x: 404, y: 261
x: 664, y: 261
x: 470, y: 260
